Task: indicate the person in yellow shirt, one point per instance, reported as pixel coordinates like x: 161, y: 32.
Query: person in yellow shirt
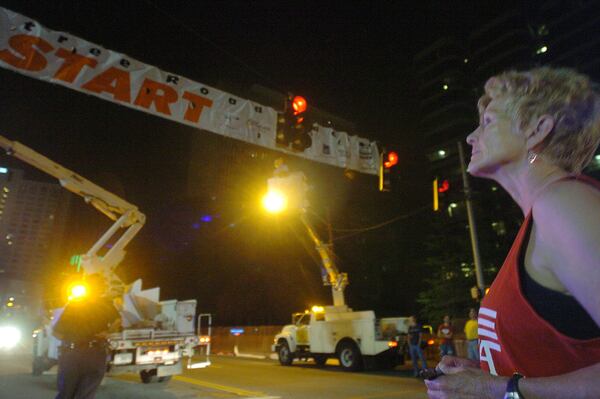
x: 472, y: 335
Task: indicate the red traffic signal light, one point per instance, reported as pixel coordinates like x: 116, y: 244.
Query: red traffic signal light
x: 392, y: 159
x: 439, y: 188
x: 299, y: 105
x: 387, y: 159
x: 445, y: 186
x: 294, y: 125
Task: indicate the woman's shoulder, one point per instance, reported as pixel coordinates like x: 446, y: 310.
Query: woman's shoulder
x: 567, y: 216
x: 568, y: 197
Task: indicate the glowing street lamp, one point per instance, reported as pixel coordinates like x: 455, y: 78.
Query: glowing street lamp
x: 274, y: 201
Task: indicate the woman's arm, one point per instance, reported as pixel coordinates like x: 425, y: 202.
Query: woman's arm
x: 462, y: 381
x: 580, y: 384
x: 568, y: 229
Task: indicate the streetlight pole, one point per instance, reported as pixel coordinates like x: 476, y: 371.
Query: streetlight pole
x: 472, y: 224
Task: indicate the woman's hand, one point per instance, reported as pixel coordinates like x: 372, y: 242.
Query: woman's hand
x: 464, y: 379
x: 451, y: 362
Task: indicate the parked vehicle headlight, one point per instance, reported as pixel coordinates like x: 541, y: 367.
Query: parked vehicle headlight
x: 9, y: 337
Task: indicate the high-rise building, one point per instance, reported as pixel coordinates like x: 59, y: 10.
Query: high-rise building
x: 32, y: 222
x: 450, y: 75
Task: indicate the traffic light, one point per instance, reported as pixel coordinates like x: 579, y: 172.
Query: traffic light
x: 294, y: 125
x: 387, y: 160
x: 439, y: 187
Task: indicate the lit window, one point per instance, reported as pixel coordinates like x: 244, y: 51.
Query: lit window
x: 499, y: 228
x: 3, y: 170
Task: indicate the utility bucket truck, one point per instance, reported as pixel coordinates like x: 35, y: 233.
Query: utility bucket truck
x: 357, y: 339
x: 156, y: 336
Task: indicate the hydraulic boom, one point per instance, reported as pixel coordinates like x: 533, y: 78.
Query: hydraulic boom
x: 125, y: 215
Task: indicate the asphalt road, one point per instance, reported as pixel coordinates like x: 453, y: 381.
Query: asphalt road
x: 227, y: 377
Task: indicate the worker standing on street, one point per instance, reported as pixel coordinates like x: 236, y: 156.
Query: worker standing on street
x: 472, y: 335
x: 83, y: 326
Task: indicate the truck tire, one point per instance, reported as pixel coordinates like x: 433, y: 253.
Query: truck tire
x: 350, y: 357
x: 148, y: 376
x: 320, y: 360
x: 284, y: 354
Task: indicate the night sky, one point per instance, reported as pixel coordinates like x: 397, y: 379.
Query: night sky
x: 351, y: 60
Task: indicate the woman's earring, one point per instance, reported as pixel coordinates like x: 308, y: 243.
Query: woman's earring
x: 531, y: 156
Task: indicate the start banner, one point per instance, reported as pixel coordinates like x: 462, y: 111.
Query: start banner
x: 29, y: 48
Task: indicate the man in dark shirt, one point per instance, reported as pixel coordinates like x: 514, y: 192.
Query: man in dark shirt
x: 415, y: 334
x: 82, y: 328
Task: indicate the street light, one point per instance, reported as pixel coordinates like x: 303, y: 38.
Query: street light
x: 288, y: 190
x: 274, y: 201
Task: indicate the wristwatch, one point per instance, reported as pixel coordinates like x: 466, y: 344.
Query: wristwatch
x: 512, y: 388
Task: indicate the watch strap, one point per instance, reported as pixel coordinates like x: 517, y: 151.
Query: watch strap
x: 512, y: 387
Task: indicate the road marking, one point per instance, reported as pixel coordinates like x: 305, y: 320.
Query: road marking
x: 237, y: 391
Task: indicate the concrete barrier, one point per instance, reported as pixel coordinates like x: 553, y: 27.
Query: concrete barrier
x: 249, y: 341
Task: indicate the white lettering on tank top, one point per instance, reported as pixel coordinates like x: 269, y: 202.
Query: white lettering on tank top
x: 488, y: 339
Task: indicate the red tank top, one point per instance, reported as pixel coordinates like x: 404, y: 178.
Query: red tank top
x: 513, y: 337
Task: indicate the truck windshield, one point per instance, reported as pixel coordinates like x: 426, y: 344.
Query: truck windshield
x: 302, y: 319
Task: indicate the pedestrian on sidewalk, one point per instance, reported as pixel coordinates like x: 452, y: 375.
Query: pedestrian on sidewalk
x: 415, y: 337
x: 472, y: 336
x: 446, y: 334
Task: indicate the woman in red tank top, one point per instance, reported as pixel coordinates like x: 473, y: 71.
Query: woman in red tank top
x: 538, y: 130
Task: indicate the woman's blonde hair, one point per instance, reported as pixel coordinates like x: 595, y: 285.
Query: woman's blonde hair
x: 569, y: 97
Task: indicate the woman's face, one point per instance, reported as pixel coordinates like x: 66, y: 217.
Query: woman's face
x: 494, y: 143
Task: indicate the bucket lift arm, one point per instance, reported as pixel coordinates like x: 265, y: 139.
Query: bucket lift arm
x: 125, y: 215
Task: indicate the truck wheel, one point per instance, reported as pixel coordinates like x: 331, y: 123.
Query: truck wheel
x: 350, y: 357
x: 148, y: 376
x: 285, y: 355
x: 320, y: 360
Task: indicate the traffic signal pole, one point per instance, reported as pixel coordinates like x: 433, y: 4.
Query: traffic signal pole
x: 471, y: 216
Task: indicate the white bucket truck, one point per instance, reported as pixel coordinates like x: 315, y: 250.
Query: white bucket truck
x: 357, y: 339
x: 156, y: 335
